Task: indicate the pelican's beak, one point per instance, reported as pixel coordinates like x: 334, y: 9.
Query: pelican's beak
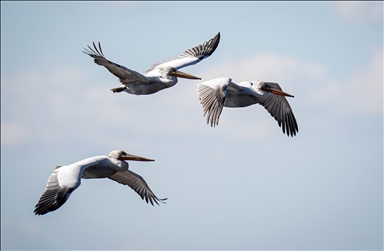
x: 128, y: 156
x: 268, y: 88
x: 181, y: 74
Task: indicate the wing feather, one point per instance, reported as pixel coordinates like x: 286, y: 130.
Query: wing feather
x: 211, y: 96
x: 54, y: 195
x: 191, y: 56
x: 124, y: 74
x: 281, y: 111
x: 138, y: 184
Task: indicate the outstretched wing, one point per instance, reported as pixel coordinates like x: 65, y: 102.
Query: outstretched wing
x: 137, y: 183
x: 280, y: 109
x: 54, y: 195
x: 191, y: 56
x: 211, y: 96
x: 124, y: 74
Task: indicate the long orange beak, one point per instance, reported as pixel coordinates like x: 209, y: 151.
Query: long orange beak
x: 181, y: 74
x: 268, y: 88
x: 128, y: 156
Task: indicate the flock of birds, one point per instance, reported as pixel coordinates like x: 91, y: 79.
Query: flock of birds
x: 213, y: 94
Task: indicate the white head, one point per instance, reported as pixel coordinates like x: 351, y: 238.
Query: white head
x: 121, y: 155
x: 262, y: 87
x: 170, y: 71
x: 256, y: 85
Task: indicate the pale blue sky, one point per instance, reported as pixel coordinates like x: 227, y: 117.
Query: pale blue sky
x: 241, y: 185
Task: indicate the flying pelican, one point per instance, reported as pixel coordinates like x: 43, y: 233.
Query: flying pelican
x: 66, y: 179
x: 217, y: 93
x: 159, y: 76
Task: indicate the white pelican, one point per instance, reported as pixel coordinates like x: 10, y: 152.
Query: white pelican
x: 217, y: 93
x: 160, y: 75
x: 66, y: 179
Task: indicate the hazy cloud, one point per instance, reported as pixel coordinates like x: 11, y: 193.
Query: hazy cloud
x: 67, y: 96
x: 12, y: 133
x: 267, y: 66
x: 354, y: 11
x: 360, y: 92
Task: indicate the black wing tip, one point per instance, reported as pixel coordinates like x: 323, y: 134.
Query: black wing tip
x: 41, y: 209
x: 214, y: 44
x: 210, y: 120
x: 292, y: 133
x: 289, y: 126
x: 162, y: 200
x: 39, y: 212
x: 94, y: 52
x: 156, y: 200
x: 52, y: 200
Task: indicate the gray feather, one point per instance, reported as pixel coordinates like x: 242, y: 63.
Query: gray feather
x: 138, y: 184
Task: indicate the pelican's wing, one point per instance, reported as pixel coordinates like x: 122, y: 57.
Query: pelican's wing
x: 211, y: 96
x: 280, y: 109
x: 191, y: 56
x: 62, y: 182
x: 54, y: 195
x: 137, y: 183
x: 124, y: 74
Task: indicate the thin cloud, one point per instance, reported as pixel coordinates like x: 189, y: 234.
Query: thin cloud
x: 359, y: 93
x: 311, y: 83
x: 55, y: 112
x: 355, y: 11
x: 12, y: 133
x: 267, y: 66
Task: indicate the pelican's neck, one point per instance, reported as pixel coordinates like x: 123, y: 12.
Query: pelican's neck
x: 161, y: 76
x: 85, y: 163
x: 166, y: 81
x: 104, y: 162
x: 247, y: 94
x: 103, y: 168
x: 119, y: 165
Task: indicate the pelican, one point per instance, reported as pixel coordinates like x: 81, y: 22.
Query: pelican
x: 217, y: 93
x: 159, y: 76
x: 66, y: 179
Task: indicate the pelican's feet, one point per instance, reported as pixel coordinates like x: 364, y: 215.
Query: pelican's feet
x: 118, y: 89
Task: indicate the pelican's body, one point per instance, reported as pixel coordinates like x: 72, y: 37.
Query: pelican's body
x: 159, y: 76
x: 222, y: 92
x: 65, y: 179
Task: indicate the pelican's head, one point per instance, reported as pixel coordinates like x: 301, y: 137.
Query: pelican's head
x: 267, y: 87
x: 121, y: 155
x: 175, y: 73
